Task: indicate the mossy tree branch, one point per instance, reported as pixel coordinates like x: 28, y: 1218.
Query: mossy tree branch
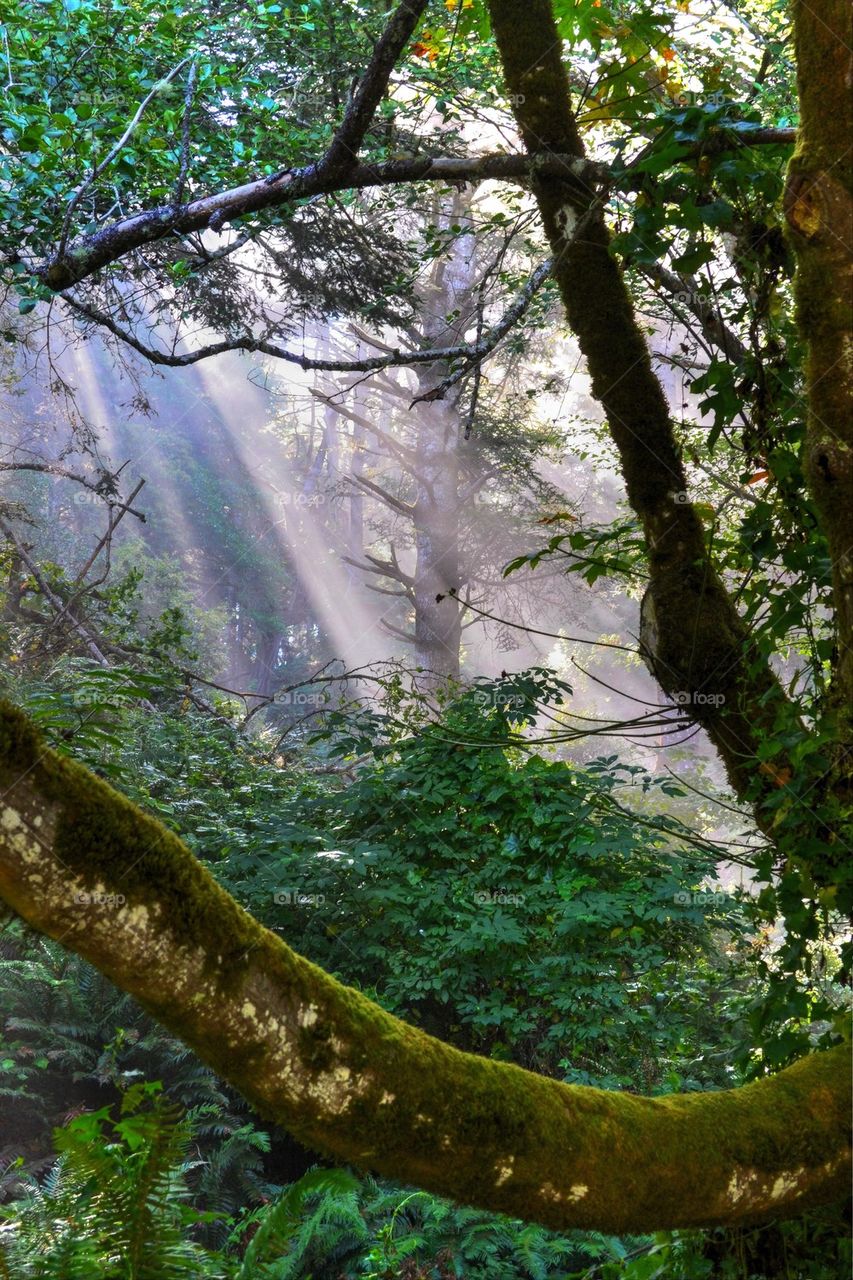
x: 692, y: 635
x: 82, y: 864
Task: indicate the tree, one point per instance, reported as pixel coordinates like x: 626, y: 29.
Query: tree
x: 343, y: 1075
x: 433, y: 459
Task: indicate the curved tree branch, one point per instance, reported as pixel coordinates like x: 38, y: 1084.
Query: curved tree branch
x: 117, y: 240
x: 88, y: 254
x: 82, y: 864
x: 472, y: 353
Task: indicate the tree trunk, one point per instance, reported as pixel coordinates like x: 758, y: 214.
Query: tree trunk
x: 436, y: 523
x: 438, y: 622
x: 819, y: 212
x: 693, y: 638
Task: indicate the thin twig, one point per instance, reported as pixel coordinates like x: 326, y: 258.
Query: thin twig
x: 99, y: 168
x: 185, y: 135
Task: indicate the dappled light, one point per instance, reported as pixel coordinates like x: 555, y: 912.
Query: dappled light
x: 427, y: 640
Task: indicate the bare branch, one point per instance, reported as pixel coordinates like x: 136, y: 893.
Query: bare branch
x: 385, y: 568
x: 406, y: 636
x: 552, y: 635
x: 472, y: 353
x: 403, y: 507
x: 59, y: 607
x: 477, y: 351
x: 116, y: 515
x: 343, y: 150
x: 406, y: 457
x: 184, y: 169
x: 687, y: 291
x: 386, y: 591
x: 54, y: 469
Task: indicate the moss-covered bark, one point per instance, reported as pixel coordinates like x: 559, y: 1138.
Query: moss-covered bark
x: 693, y: 638
x: 819, y: 212
x: 80, y: 863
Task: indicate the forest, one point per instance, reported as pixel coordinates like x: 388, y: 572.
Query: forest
x: 426, y: 639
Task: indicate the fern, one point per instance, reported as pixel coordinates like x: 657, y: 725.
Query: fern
x: 285, y: 1235
x: 68, y: 1032
x: 329, y: 1226
x: 115, y: 1204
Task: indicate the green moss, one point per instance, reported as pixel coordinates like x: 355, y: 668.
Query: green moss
x: 107, y: 841
x: 822, y: 44
x: 20, y: 743
x: 538, y: 85
x: 819, y: 214
x: 353, y: 1082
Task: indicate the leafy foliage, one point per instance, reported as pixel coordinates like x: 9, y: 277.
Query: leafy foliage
x: 116, y: 1202
x: 508, y: 904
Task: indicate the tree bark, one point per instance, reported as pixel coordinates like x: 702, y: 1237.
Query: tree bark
x: 117, y: 240
x: 819, y: 213
x: 82, y: 864
x: 437, y: 436
x: 693, y: 638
